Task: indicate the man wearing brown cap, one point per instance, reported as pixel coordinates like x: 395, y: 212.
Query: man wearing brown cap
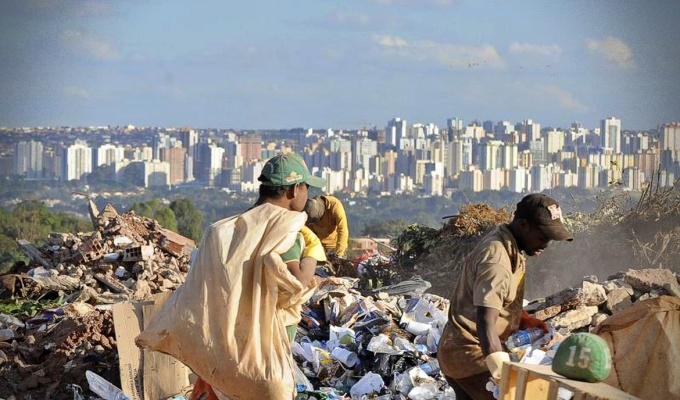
x: 486, y: 306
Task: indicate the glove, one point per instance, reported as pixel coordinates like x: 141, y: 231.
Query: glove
x: 527, y: 322
x: 494, y: 362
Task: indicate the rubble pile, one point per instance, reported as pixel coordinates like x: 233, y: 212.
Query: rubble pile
x: 46, y: 356
x: 126, y: 257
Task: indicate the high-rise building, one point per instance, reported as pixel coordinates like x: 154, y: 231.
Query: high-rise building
x: 454, y: 127
x: 541, y: 178
x: 489, y: 155
x: 610, y: 132
x: 28, y: 159
x: 537, y: 149
x: 395, y: 131
x: 176, y: 158
x: 520, y: 180
x: 529, y: 130
x: 471, y: 179
x: 251, y: 147
x: 363, y: 150
x: 509, y: 156
x: 554, y: 141
x: 670, y: 140
x: 156, y: 173
x: 107, y: 154
x: 76, y: 161
x: 211, y: 157
x: 189, y: 138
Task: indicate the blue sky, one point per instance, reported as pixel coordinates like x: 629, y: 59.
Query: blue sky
x: 337, y: 64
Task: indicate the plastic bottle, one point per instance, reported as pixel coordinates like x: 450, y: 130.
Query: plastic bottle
x: 431, y: 367
x: 104, y: 388
x: 522, y: 338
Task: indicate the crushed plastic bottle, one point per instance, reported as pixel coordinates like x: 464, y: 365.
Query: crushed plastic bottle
x: 493, y: 388
x: 523, y: 338
x: 104, y: 388
x: 431, y: 367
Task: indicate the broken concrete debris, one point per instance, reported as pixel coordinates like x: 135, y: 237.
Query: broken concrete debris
x: 122, y: 249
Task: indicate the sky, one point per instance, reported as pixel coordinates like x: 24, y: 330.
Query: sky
x: 277, y: 64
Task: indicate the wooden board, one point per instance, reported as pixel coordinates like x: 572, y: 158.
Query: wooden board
x: 539, y: 382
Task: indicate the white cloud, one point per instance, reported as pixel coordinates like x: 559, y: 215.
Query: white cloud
x: 75, y: 91
x: 451, y: 55
x: 536, y: 97
x: 612, y: 49
x: 552, y: 50
x: 564, y: 99
x: 85, y: 43
x: 388, y: 41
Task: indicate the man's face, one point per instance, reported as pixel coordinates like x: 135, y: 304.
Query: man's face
x: 533, y: 241
x: 300, y: 199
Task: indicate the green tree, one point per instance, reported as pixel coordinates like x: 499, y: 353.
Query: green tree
x: 156, y: 210
x: 189, y: 218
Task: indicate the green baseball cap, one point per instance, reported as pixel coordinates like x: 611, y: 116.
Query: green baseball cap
x: 288, y: 169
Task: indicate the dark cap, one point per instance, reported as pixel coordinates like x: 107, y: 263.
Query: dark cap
x: 546, y: 213
x: 315, y: 208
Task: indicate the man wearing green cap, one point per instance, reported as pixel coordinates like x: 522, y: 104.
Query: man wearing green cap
x: 486, y: 306
x: 284, y: 184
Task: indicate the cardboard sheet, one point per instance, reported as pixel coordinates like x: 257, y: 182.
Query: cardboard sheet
x: 145, y: 375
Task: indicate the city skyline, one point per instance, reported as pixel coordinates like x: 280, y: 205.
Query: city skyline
x: 349, y: 65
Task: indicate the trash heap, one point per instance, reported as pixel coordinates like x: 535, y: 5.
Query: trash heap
x: 383, y: 344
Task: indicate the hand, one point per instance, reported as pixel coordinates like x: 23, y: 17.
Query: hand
x: 528, y: 322
x: 494, y: 362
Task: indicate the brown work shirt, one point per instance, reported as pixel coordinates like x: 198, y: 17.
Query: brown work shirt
x: 492, y: 276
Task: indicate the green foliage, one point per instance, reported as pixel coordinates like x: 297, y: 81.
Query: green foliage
x: 9, y: 253
x: 415, y: 242
x: 189, y: 218
x: 23, y: 307
x: 33, y: 221
x: 156, y: 210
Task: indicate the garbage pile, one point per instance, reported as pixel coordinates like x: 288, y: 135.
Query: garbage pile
x: 383, y: 345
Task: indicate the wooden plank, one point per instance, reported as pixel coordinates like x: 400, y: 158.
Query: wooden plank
x: 512, y: 384
x: 537, y: 387
x: 505, y: 382
x: 590, y: 391
x: 164, y: 376
x: 522, y: 376
x: 552, y: 390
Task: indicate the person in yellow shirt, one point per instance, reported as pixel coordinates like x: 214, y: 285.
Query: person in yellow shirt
x: 327, y: 219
